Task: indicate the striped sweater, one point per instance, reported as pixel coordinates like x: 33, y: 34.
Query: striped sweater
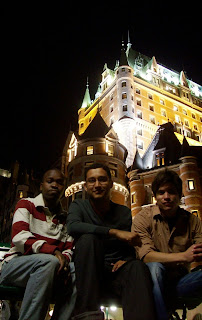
x: 35, y: 230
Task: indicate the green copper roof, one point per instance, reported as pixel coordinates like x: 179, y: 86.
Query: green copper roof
x: 86, y: 100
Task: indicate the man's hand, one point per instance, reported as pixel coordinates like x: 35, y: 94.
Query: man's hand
x: 131, y: 238
x: 117, y: 265
x: 193, y: 253
x: 63, y: 261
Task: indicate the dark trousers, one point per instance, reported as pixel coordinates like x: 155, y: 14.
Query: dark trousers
x: 132, y: 282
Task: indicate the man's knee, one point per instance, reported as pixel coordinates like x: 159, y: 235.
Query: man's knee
x: 48, y: 261
x: 89, y: 241
x: 156, y: 269
x: 137, y: 267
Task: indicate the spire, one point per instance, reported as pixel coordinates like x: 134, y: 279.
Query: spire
x: 129, y: 44
x: 123, y: 58
x: 86, y: 100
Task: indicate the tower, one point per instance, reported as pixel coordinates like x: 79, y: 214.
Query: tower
x: 147, y: 111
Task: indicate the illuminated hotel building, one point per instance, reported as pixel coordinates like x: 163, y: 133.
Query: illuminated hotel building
x: 135, y: 104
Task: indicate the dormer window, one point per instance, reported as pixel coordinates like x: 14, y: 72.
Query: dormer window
x: 160, y: 160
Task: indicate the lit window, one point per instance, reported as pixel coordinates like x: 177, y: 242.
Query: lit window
x: 163, y: 113
x: 187, y: 134
x: 195, y: 212
x: 113, y: 172
x: 139, y: 132
x: 89, y: 150
x: 133, y: 197
x: 175, y: 108
x: 160, y: 161
x: 124, y: 95
x: 139, y: 114
x: 195, y: 127
x: 20, y: 194
x: 139, y: 144
x: 110, y: 150
x: 179, y: 130
x: 191, y: 185
x: 152, y: 119
x: 177, y: 118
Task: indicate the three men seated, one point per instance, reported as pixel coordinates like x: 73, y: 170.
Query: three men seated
x: 166, y: 238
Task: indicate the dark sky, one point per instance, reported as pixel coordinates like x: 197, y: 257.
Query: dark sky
x: 48, y: 49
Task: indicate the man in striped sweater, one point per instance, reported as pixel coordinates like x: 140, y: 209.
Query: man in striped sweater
x: 41, y: 251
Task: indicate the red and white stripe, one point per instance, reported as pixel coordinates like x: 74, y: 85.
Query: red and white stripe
x: 34, y: 230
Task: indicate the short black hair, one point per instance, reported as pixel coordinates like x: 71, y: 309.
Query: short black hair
x: 167, y: 176
x: 53, y: 169
x: 97, y: 165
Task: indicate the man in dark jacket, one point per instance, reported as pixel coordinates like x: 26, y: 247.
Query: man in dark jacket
x: 104, y: 254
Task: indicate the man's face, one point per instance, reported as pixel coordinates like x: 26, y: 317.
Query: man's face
x: 52, y: 186
x: 167, y: 199
x: 98, y: 184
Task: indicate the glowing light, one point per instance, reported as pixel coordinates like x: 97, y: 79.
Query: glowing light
x: 113, y: 308
x: 51, y: 313
x: 74, y: 188
x: 191, y: 185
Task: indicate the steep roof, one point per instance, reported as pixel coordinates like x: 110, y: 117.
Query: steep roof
x: 96, y: 129
x: 185, y: 149
x: 137, y: 163
x: 165, y: 141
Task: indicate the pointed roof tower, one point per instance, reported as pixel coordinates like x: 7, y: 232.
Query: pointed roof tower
x: 96, y: 129
x: 86, y: 100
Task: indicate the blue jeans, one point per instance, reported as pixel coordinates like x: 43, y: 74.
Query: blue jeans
x: 37, y: 274
x: 189, y: 286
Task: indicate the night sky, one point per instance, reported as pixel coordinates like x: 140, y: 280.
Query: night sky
x: 48, y: 49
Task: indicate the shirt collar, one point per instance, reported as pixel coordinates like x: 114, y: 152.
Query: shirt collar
x: 39, y: 201
x: 157, y: 212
